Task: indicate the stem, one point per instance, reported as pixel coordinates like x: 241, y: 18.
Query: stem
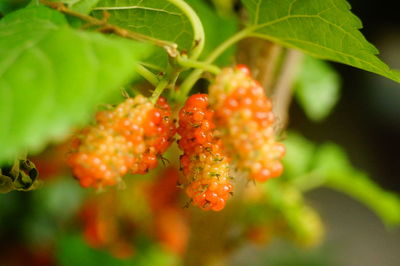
x: 195, y: 75
x: 283, y: 88
x: 152, y: 66
x: 186, y: 62
x: 147, y: 74
x: 158, y: 90
x: 270, y: 66
x: 226, y: 44
x: 262, y: 59
x: 170, y: 47
x: 198, y: 30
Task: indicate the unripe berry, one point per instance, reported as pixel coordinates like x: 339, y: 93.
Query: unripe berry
x: 126, y: 139
x: 243, y: 114
x: 204, y: 162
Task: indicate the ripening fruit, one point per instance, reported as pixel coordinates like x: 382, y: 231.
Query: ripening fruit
x: 102, y: 157
x: 243, y: 114
x: 203, y: 162
x: 128, y: 138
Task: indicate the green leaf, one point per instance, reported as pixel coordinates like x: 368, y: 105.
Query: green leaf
x: 324, y: 29
x: 317, y: 88
x: 332, y: 163
x: 224, y: 6
x: 84, y: 6
x: 52, y: 77
x: 154, y: 18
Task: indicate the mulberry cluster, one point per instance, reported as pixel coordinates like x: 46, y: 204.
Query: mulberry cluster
x: 204, y: 162
x: 244, y: 116
x: 127, y: 139
x: 236, y: 119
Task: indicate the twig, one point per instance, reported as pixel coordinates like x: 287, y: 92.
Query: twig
x: 158, y: 90
x: 147, y: 74
x: 170, y: 47
x: 282, y: 93
x: 262, y: 59
x: 186, y: 62
x: 268, y: 65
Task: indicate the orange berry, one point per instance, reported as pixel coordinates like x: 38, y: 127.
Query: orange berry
x: 126, y: 139
x: 204, y: 163
x: 244, y: 116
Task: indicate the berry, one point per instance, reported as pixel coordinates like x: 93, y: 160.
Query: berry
x: 128, y: 138
x: 244, y: 116
x: 102, y: 158
x: 203, y: 162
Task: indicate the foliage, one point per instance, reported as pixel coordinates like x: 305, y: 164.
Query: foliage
x: 50, y: 70
x: 327, y: 30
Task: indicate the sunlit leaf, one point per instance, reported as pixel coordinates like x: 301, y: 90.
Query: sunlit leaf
x: 324, y: 29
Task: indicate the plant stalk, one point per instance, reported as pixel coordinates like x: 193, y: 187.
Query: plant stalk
x: 170, y: 47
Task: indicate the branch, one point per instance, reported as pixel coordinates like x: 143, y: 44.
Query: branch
x: 170, y: 47
x: 282, y: 94
x: 262, y: 59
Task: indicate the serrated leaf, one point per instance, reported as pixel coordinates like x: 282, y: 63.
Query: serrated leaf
x: 158, y: 19
x: 324, y: 29
x: 332, y: 162
x: 52, y: 76
x: 317, y: 88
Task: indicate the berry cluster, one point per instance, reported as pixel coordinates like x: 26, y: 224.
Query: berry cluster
x: 236, y: 115
x: 244, y: 115
x: 126, y: 139
x: 204, y: 162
